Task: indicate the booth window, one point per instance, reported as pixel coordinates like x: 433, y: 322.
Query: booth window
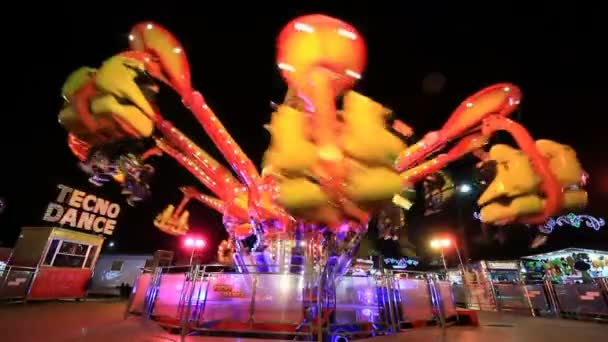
x: 116, y: 266
x: 48, y: 260
x: 91, y: 257
x: 62, y: 253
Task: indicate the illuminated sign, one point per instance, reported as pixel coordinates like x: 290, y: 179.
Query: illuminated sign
x: 502, y: 265
x: 77, y: 209
x: 400, y: 263
x: 227, y: 291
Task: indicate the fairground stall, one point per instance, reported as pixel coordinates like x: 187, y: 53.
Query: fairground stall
x: 498, y: 271
x: 569, y: 283
x: 570, y: 265
x: 59, y: 262
x: 57, y: 259
x: 576, y: 278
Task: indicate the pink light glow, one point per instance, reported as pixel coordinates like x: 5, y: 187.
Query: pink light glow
x: 189, y: 242
x: 194, y: 242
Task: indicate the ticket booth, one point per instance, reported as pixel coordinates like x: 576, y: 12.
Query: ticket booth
x: 64, y: 260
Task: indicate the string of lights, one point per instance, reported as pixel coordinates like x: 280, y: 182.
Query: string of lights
x: 574, y: 220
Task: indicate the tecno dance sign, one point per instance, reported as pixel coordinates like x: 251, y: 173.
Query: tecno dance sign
x: 77, y: 209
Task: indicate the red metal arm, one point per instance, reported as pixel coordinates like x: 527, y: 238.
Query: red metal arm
x: 466, y: 145
x: 222, y: 139
x: 210, y: 166
x: 211, y: 202
x: 191, y: 166
x: 154, y: 151
x: 499, y: 99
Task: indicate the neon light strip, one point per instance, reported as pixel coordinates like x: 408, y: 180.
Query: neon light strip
x: 571, y: 219
x: 574, y: 221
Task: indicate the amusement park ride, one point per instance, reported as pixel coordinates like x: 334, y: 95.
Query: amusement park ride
x: 327, y: 169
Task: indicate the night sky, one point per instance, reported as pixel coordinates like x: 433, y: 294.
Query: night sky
x: 423, y: 61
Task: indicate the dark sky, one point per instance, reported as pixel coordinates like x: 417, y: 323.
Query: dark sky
x: 548, y: 51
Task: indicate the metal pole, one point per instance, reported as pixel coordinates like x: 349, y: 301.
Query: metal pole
x: 320, y: 285
x: 252, y: 303
x: 528, y: 299
x: 552, y: 297
x: 436, y: 299
x: 395, y: 301
x: 152, y: 291
x: 5, y: 275
x: 387, y: 304
x: 445, y: 266
x: 132, y: 295
x: 185, y: 319
x: 459, y: 257
x: 191, y: 256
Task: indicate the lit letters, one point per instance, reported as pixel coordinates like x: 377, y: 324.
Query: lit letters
x: 77, y: 209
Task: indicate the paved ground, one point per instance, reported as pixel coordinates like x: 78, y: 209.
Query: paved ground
x: 103, y: 321
x: 497, y: 327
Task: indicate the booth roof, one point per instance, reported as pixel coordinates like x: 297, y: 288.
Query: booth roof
x: 565, y: 252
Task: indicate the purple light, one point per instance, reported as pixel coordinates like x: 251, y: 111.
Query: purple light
x: 574, y: 220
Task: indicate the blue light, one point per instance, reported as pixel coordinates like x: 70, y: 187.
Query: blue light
x: 465, y: 188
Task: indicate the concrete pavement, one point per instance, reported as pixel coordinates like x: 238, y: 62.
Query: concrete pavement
x: 497, y: 327
x: 103, y: 321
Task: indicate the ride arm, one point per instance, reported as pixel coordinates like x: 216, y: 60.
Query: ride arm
x: 499, y: 99
x: 191, y: 192
x: 226, y: 184
x: 192, y: 167
x: 469, y: 144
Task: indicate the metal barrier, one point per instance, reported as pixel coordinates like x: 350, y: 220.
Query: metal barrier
x: 15, y: 282
x: 204, y: 299
x: 475, y: 295
x: 538, y: 300
x: 581, y: 301
x: 585, y: 301
x: 414, y: 299
x: 362, y: 306
x: 448, y: 303
x: 137, y: 300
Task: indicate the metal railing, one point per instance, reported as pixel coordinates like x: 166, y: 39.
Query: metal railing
x: 584, y: 301
x: 205, y: 299
x: 15, y: 282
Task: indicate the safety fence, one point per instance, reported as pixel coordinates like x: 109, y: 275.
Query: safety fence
x: 586, y: 301
x: 204, y: 299
x: 15, y: 282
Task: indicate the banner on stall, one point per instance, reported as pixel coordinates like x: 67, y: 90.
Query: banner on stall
x: 81, y: 210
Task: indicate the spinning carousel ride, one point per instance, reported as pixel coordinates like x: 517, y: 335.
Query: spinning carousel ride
x: 328, y: 167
